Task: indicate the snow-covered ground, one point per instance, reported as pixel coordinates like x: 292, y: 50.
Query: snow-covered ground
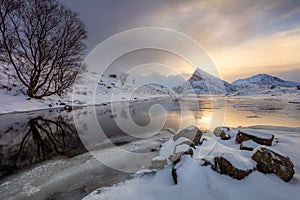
x: 13, y: 100
x: 196, y: 181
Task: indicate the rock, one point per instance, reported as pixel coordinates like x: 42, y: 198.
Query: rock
x: 180, y: 150
x: 184, y: 140
x: 223, y: 166
x: 268, y: 161
x: 68, y: 108
x: 174, y: 175
x: 192, y: 133
x: 248, y: 145
x: 159, y: 162
x: 222, y: 132
x: 256, y: 136
x: 112, y: 75
x: 174, y: 171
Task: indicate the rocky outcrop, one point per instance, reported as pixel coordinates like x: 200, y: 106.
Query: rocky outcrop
x: 192, y: 133
x: 269, y: 161
x: 223, y: 166
x: 222, y: 132
x: 264, y: 139
x: 227, y: 158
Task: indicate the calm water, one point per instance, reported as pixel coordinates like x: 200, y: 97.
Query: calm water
x: 43, y: 157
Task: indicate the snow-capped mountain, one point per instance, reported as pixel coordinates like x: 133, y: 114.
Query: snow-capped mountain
x: 202, y: 82
x: 262, y: 84
x: 264, y: 80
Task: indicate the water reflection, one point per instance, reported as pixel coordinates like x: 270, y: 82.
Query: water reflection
x: 29, y: 138
x: 38, y: 139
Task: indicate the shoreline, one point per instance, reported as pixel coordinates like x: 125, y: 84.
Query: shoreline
x: 83, y: 105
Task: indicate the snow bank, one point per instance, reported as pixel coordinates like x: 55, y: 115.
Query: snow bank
x: 201, y: 182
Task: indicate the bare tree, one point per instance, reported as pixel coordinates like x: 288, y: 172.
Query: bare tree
x: 42, y: 41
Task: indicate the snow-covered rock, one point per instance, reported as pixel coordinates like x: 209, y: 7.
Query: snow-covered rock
x: 193, y: 133
x: 270, y: 161
x: 223, y: 132
x: 257, y: 136
x: 159, y: 162
x: 224, y: 166
x: 195, y: 179
x: 179, y: 151
x: 248, y: 145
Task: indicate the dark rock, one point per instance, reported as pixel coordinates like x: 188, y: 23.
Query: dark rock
x: 174, y: 172
x: 206, y: 162
x: 246, y: 148
x: 223, y: 166
x: 68, y: 108
x: 62, y: 104
x: 222, y: 132
x: 50, y: 105
x: 112, y: 75
x: 242, y: 136
x: 269, y: 161
x: 174, y: 175
x: 197, y: 139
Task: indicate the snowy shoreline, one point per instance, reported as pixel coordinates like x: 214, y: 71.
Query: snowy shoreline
x: 21, y: 105
x: 197, y: 178
x: 14, y: 107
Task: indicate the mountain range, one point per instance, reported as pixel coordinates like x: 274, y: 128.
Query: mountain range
x: 203, y: 83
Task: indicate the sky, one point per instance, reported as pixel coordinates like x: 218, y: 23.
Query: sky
x: 242, y: 37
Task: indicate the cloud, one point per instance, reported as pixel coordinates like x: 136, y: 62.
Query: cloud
x: 273, y: 53
x: 241, y: 35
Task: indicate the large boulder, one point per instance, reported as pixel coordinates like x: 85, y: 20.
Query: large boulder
x: 269, y: 161
x: 159, y: 162
x: 192, y: 133
x: 222, y: 132
x: 256, y: 136
x: 223, y: 166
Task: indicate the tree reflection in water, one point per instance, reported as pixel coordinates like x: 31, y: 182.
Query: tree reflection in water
x: 43, y: 139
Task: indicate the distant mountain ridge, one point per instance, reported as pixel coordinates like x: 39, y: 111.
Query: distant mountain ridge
x: 203, y: 83
x: 265, y: 79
